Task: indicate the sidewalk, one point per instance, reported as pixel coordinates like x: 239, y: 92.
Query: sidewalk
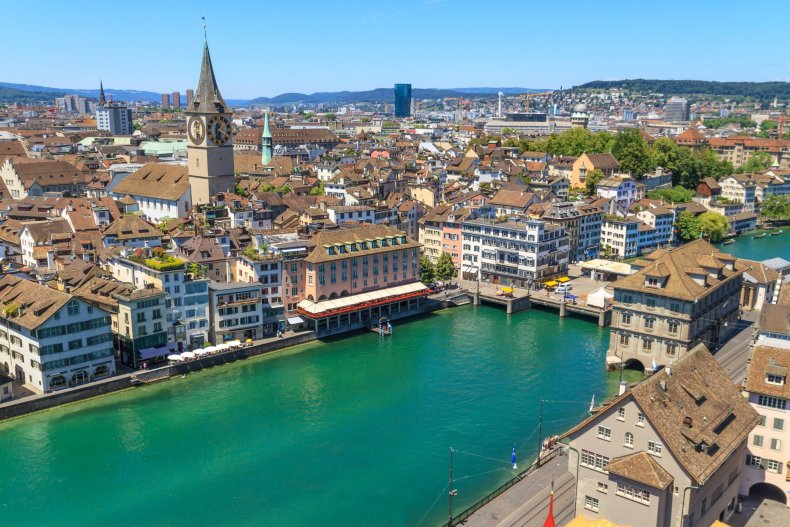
x: 527, y: 502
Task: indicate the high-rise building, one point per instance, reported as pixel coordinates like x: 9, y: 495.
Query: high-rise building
x: 176, y: 100
x: 402, y: 100
x: 676, y: 109
x: 114, y: 118
x: 72, y: 104
x: 190, y: 97
x: 165, y: 101
x: 210, y: 149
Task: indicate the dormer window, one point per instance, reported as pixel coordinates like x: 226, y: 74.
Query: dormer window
x: 777, y: 380
x: 652, y: 281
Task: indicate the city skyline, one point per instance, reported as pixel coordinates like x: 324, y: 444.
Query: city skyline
x: 423, y: 43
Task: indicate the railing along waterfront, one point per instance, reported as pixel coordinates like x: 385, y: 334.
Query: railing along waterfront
x: 482, y: 502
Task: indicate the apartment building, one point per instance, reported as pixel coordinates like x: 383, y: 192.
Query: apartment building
x: 264, y: 269
x: 621, y: 236
x: 514, y: 252
x: 186, y: 300
x: 586, y: 163
x: 661, y: 219
x: 741, y: 190
x: 236, y: 311
x: 667, y: 452
x: 623, y: 189
x: 738, y: 150
x: 676, y: 299
x: 582, y: 224
x: 50, y: 339
x: 440, y: 232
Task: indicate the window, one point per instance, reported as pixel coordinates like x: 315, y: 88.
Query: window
x: 604, y: 432
x: 73, y: 307
x: 673, y: 327
x: 591, y: 503
x: 75, y: 344
x: 603, y: 487
x: 621, y: 414
x: 771, y: 465
x: 624, y: 339
x: 651, y: 303
x: 594, y: 461
x: 754, y: 461
x: 757, y: 441
x: 629, y: 440
x: 654, y: 447
x: 640, y: 419
x: 775, y: 379
x: 650, y: 323
x: 776, y: 444
x: 647, y: 344
x: 779, y: 424
x: 771, y: 402
x: 633, y: 493
x: 626, y: 318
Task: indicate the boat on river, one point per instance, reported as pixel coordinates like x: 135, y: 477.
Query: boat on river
x: 729, y: 241
x: 384, y: 328
x: 775, y: 233
x: 761, y: 235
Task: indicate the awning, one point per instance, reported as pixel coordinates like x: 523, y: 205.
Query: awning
x: 551, y: 284
x: 612, y: 359
x: 150, y: 353
x: 469, y: 269
x: 507, y: 289
x: 295, y: 320
x: 563, y: 279
x: 326, y: 308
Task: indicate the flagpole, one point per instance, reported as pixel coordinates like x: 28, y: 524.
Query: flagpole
x: 451, y: 493
x: 540, y: 433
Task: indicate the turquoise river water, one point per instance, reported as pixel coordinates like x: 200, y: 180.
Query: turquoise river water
x: 353, y: 431
x: 746, y: 246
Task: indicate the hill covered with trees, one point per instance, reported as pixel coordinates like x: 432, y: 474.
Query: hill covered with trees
x: 764, y: 91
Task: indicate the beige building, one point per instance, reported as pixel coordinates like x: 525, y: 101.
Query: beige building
x: 667, y: 452
x: 738, y: 150
x: 586, y: 163
x: 676, y: 299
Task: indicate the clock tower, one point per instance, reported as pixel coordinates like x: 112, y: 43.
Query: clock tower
x: 209, y: 148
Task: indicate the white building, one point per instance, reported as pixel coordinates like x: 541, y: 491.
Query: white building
x: 623, y: 190
x: 161, y: 191
x: 50, y: 339
x: 236, y: 311
x: 621, y: 235
x: 660, y: 219
x: 513, y: 252
x: 115, y: 119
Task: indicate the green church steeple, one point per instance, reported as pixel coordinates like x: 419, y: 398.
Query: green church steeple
x: 266, y: 141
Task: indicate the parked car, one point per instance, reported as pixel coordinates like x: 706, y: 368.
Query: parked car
x: 563, y: 289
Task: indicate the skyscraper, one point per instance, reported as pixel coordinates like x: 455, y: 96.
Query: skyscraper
x: 190, y: 97
x: 165, y: 101
x: 402, y: 100
x: 176, y: 100
x: 112, y: 117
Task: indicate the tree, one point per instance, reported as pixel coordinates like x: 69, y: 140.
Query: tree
x: 631, y: 151
x: 757, y: 163
x: 713, y: 225
x: 591, y: 183
x: 689, y: 227
x: 508, y: 131
x: 676, y: 194
x: 444, y: 269
x: 318, y: 190
x: 239, y: 191
x: 426, y: 270
x: 776, y: 207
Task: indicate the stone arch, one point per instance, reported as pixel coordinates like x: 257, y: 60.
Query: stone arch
x: 322, y: 297
x: 332, y: 296
x: 310, y: 298
x: 767, y: 491
x: 634, y: 364
x: 343, y: 293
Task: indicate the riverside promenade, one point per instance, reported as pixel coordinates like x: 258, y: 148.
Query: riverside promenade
x: 526, y: 503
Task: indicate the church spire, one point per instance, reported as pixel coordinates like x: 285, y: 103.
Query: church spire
x: 102, y: 100
x: 207, y: 98
x: 266, y: 141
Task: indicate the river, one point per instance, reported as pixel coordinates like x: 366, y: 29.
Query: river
x: 746, y: 246
x: 353, y: 431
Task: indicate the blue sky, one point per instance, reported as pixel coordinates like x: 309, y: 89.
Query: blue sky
x: 267, y: 47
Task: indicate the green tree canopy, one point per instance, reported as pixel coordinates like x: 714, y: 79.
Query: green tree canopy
x: 444, y: 269
x: 426, y: 270
x: 632, y: 152
x: 689, y: 227
x: 713, y: 225
x: 676, y: 194
x: 591, y: 183
x: 776, y: 207
x: 318, y: 190
x: 758, y: 162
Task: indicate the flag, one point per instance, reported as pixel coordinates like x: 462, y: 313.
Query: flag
x: 550, y: 518
x: 654, y: 365
x: 592, y: 403
x: 513, y: 458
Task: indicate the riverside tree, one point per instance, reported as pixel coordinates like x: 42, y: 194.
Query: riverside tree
x: 713, y: 225
x: 445, y: 269
x: 426, y: 270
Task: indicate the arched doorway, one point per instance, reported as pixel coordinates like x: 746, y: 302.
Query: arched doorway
x: 634, y: 364
x: 767, y: 491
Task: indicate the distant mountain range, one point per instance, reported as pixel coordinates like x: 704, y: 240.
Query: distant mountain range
x: 11, y: 92
x: 764, y: 91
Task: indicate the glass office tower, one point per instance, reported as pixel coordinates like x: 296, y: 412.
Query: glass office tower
x: 402, y: 100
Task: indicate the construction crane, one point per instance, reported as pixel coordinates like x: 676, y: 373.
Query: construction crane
x: 527, y: 97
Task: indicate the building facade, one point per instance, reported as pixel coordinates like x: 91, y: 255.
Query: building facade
x: 402, y: 100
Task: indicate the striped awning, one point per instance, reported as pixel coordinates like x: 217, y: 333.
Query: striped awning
x: 335, y: 306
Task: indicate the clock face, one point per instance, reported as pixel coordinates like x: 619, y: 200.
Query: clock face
x: 218, y: 130
x: 196, y: 130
